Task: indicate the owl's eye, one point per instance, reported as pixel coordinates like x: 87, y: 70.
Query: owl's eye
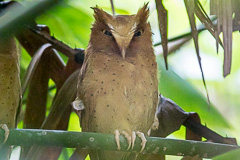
x: 106, y: 32
x: 138, y: 33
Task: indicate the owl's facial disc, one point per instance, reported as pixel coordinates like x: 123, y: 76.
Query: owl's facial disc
x: 123, y: 34
x: 122, y: 27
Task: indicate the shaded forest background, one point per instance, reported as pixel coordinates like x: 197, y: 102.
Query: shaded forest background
x: 182, y: 82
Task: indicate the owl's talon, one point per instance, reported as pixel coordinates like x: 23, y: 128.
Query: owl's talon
x: 6, y: 134
x: 129, y: 138
x: 133, y: 138
x: 144, y: 140
x: 117, y: 134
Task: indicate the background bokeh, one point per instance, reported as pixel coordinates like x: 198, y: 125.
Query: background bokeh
x: 71, y: 23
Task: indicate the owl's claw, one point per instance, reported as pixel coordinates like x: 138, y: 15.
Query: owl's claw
x: 6, y: 134
x: 126, y: 135
x: 144, y: 140
x: 117, y: 134
x: 131, y: 139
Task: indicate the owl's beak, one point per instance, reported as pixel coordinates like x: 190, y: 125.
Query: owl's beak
x: 123, y: 53
x: 123, y: 43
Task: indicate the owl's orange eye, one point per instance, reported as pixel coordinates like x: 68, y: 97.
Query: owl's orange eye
x: 106, y: 32
x: 138, y: 33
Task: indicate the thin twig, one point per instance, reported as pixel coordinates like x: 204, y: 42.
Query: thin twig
x: 58, y: 45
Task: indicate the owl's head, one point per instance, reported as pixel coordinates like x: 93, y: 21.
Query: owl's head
x: 122, y: 33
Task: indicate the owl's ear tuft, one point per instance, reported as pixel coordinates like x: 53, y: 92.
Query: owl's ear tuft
x: 100, y: 15
x: 143, y: 14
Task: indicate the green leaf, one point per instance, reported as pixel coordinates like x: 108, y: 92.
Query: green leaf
x: 233, y: 155
x: 163, y: 27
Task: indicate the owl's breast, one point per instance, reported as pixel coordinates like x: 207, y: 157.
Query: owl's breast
x: 122, y: 94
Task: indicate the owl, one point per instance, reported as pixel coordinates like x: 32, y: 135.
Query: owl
x: 118, y: 81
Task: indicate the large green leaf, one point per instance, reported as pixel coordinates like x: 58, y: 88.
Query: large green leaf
x: 233, y: 155
x: 186, y: 96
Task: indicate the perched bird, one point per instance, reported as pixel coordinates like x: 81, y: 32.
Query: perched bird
x: 118, y: 81
x: 10, y: 88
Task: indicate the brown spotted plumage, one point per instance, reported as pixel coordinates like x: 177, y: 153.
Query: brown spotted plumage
x: 118, y: 82
x: 9, y: 88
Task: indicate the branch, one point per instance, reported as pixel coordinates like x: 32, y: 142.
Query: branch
x: 58, y: 45
x: 28, y: 137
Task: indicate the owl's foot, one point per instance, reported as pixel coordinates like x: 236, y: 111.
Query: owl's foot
x: 126, y: 135
x: 143, y: 138
x: 6, y: 134
x: 131, y: 139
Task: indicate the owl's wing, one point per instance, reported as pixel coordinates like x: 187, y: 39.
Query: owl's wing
x: 78, y: 104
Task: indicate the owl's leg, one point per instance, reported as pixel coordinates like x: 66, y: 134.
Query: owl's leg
x: 144, y: 140
x: 6, y: 134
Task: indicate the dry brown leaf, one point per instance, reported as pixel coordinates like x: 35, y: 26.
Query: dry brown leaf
x: 60, y: 104
x: 190, y: 6
x: 32, y: 66
x: 62, y: 121
x: 190, y: 135
x: 227, y: 35
x: 224, y: 11
x: 32, y: 42
x: 163, y: 26
x: 203, y: 17
x: 35, y: 112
